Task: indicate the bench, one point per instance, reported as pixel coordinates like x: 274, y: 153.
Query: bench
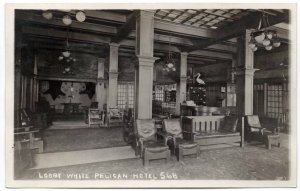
x: 213, y: 130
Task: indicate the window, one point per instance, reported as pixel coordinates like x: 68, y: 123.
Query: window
x: 159, y: 91
x: 275, y: 94
x: 125, y: 95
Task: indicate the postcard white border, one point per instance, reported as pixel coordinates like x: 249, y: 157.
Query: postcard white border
x: 9, y: 107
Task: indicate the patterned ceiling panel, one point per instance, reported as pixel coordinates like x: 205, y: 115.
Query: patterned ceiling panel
x: 203, y: 18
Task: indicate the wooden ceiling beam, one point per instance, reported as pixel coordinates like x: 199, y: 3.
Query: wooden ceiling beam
x: 96, y: 39
x: 126, y: 28
x: 59, y: 34
x: 182, y: 30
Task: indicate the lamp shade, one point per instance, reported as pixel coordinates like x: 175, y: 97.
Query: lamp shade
x: 276, y: 44
x: 47, y: 14
x: 266, y: 42
x: 269, y: 47
x: 66, y: 53
x: 170, y: 65
x: 251, y: 45
x: 270, y: 35
x: 67, y: 20
x: 80, y: 16
x: 259, y: 38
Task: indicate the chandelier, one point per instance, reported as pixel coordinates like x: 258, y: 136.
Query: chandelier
x: 66, y: 58
x: 169, y: 64
x: 67, y: 19
x: 263, y: 36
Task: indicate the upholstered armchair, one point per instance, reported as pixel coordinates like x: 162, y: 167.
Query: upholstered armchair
x: 114, y: 116
x: 146, y: 135
x: 256, y: 131
x: 147, y: 145
x: 95, y: 117
x: 174, y: 135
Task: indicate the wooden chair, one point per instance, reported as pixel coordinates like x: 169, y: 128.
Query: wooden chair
x: 95, y: 117
x: 114, y: 116
x: 268, y: 134
x: 147, y: 145
x: 180, y: 146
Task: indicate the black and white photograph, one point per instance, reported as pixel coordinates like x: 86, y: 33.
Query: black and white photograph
x: 150, y: 96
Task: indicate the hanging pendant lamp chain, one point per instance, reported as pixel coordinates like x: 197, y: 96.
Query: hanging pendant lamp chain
x: 67, y: 43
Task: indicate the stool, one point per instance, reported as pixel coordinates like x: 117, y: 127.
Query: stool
x: 187, y: 149
x: 158, y: 152
x: 272, y: 140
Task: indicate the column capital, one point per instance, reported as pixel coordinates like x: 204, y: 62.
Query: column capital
x: 145, y: 60
x: 113, y: 74
x: 246, y: 71
x: 113, y: 44
x: 101, y: 80
x: 148, y: 12
x: 101, y: 60
x: 184, y: 53
x: 183, y: 79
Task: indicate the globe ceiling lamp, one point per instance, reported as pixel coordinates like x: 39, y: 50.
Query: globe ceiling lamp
x: 67, y: 20
x: 80, y: 16
x: 263, y: 36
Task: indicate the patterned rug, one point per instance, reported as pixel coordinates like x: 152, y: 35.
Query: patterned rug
x: 59, y: 140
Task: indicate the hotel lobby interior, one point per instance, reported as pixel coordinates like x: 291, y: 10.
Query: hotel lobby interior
x: 198, y: 94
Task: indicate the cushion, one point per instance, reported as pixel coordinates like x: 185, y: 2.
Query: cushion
x: 229, y: 124
x: 146, y: 128
x: 188, y: 145
x: 172, y: 126
x: 253, y: 121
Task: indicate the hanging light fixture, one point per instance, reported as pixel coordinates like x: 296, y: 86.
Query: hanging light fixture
x: 67, y: 52
x: 263, y: 36
x: 169, y: 64
x: 66, y: 59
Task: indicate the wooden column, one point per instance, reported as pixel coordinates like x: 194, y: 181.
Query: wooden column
x: 181, y: 86
x: 144, y: 64
x: 18, y: 78
x: 245, y: 74
x: 100, y: 86
x: 265, y: 99
x: 35, y: 92
x: 113, y: 75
